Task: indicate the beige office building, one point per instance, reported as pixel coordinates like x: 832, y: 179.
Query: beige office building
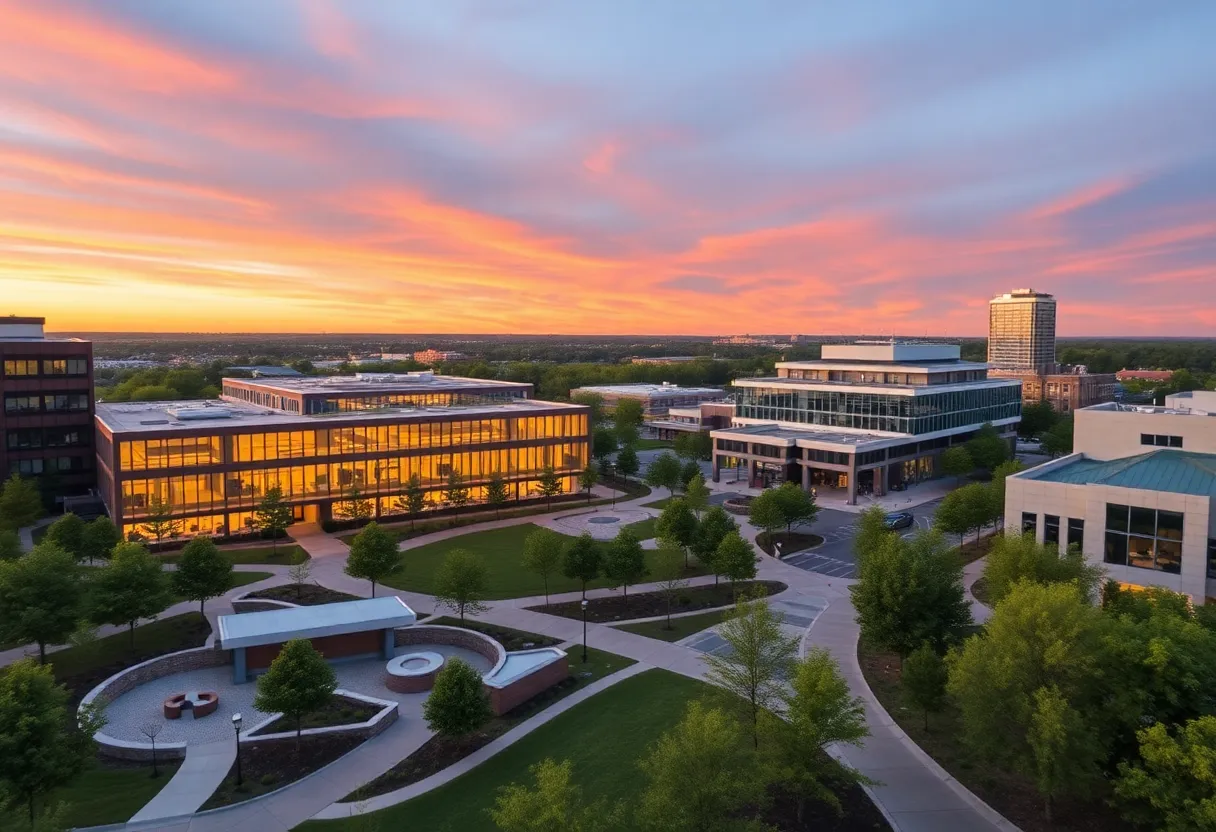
x: 1022, y: 331
x: 1136, y: 496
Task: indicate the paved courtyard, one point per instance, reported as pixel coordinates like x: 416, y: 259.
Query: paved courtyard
x: 796, y: 617
x: 603, y: 523
x: 130, y: 712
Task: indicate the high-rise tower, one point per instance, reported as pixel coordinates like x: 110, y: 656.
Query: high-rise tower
x: 1022, y: 331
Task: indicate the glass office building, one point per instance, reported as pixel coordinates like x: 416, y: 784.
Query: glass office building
x: 865, y: 417
x: 1022, y: 331
x: 212, y: 463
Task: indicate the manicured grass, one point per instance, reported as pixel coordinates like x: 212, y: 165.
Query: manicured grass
x: 653, y: 445
x: 107, y: 792
x: 115, y: 652
x: 238, y: 579
x: 288, y: 554
x: 603, y: 737
x: 659, y: 504
x: 439, y: 751
x: 680, y: 627
x: 502, y: 551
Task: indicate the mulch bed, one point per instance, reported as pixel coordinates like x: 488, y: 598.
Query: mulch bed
x: 979, y: 590
x: 790, y: 543
x: 193, y: 633
x: 271, y: 765
x: 649, y: 604
x: 1011, y: 794
x: 510, y: 639
x: 308, y: 594
x: 857, y: 812
x: 338, y: 711
x: 440, y: 751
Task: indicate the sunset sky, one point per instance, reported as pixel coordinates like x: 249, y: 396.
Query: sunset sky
x: 606, y: 167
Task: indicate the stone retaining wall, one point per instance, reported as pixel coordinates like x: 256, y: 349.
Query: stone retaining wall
x: 127, y: 680
x: 242, y: 603
x: 383, y: 718
x: 482, y: 645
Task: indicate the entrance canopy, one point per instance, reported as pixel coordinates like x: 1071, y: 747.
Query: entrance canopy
x: 253, y: 629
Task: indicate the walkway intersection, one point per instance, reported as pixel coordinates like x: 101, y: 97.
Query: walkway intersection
x: 915, y: 794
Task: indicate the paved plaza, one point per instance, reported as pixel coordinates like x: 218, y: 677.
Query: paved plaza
x: 796, y: 616
x: 603, y: 523
x: 142, y: 706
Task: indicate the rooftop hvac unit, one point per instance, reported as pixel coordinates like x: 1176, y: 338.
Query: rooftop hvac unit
x: 198, y: 414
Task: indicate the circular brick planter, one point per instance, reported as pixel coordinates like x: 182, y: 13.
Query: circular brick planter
x: 413, y: 672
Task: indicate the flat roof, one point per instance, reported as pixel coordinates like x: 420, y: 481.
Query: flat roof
x: 376, y: 383
x: 1178, y: 472
x: 791, y: 436
x: 649, y: 390
x: 1120, y: 407
x: 876, y: 386
x: 877, y: 366
x: 251, y: 629
x: 204, y: 416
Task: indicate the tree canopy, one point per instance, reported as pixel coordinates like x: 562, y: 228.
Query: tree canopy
x: 298, y: 682
x: 41, y: 598
x: 202, y: 572
x: 374, y: 555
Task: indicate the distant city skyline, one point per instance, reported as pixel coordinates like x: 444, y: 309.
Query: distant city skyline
x: 302, y: 166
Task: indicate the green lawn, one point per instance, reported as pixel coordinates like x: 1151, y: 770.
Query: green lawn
x: 659, y: 504
x: 289, y: 554
x: 653, y: 445
x: 603, y: 737
x: 680, y: 627
x: 238, y: 579
x: 502, y: 551
x: 105, y: 793
x: 164, y: 636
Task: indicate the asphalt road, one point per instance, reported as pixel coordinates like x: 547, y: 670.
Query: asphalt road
x: 838, y: 528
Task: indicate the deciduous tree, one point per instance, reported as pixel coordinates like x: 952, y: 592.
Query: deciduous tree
x: 735, y: 559
x: 909, y: 592
x: 496, y: 493
x: 669, y: 573
x: 131, y: 587
x: 354, y: 506
x: 760, y: 659
x: 458, y: 703
x: 1064, y: 746
x: 40, y: 598
x: 543, y: 555
x: 603, y: 445
x: 987, y: 448
x: 688, y: 472
x: 583, y: 560
x: 797, y: 507
x: 957, y: 462
x: 373, y: 555
x: 456, y: 492
x: 628, y: 414
x: 549, y: 485
x: 10, y: 545
x: 594, y: 403
x: 413, y: 501
x: 965, y: 509
x: 711, y: 530
x: 99, y: 539
x: 664, y: 472
x: 1037, y: 419
x: 696, y: 495
x: 924, y: 680
x: 1058, y: 440
x: 272, y: 516
x: 159, y: 521
x: 587, y: 479
x: 461, y: 582
x: 1172, y: 787
x: 202, y: 572
x: 1013, y: 558
x: 872, y: 530
x: 677, y: 525
x: 298, y: 682
x: 764, y: 512
x: 39, y: 749
x: 699, y: 775
x: 67, y: 533
x: 627, y: 462
x: 552, y: 804
x: 20, y: 503
x: 625, y: 562
x: 819, y: 711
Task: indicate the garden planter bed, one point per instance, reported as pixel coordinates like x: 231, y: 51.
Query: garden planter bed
x: 339, y: 711
x: 650, y: 604
x: 790, y: 543
x: 271, y: 765
x: 511, y: 640
x: 309, y: 595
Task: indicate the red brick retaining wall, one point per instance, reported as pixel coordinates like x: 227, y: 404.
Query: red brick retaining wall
x: 521, y: 690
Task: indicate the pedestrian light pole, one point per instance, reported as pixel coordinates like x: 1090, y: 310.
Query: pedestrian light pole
x: 584, y: 606
x: 612, y: 471
x: 236, y: 725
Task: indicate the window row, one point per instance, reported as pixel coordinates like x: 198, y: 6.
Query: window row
x: 28, y: 367
x: 1052, y: 524
x: 1160, y: 440
x: 33, y: 438
x: 1146, y: 538
x: 47, y: 403
x: 148, y: 454
x: 55, y: 464
x: 208, y: 492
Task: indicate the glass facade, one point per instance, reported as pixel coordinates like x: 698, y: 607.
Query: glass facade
x: 1022, y: 333
x: 1143, y: 537
x: 879, y: 411
x: 325, y: 464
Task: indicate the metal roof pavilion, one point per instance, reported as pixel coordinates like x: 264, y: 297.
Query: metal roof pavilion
x: 251, y: 629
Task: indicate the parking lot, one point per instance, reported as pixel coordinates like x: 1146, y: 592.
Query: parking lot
x: 834, y: 557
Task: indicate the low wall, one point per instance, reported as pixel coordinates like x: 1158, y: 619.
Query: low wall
x: 382, y: 719
x: 524, y: 688
x: 127, y: 680
x: 482, y: 645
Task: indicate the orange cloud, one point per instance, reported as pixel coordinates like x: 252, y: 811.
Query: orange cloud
x: 1083, y: 198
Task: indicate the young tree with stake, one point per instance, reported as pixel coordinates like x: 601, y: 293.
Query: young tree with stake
x: 669, y: 573
x: 461, y: 582
x: 587, y: 480
x: 413, y: 501
x: 678, y: 525
x: 549, y: 485
x: 496, y: 492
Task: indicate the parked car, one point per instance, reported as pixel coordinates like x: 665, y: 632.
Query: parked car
x: 899, y: 520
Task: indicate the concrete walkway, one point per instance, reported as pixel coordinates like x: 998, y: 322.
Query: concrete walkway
x: 196, y: 780
x: 972, y: 572
x: 383, y: 801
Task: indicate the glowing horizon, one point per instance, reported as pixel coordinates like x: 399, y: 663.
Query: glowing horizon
x: 604, y: 169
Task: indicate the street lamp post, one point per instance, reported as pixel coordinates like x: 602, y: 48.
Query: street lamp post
x: 584, y: 606
x: 612, y: 471
x: 236, y: 724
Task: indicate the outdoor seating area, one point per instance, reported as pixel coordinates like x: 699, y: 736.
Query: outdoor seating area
x: 198, y: 703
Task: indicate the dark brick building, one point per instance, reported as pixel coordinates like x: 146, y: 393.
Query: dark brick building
x: 46, y: 423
